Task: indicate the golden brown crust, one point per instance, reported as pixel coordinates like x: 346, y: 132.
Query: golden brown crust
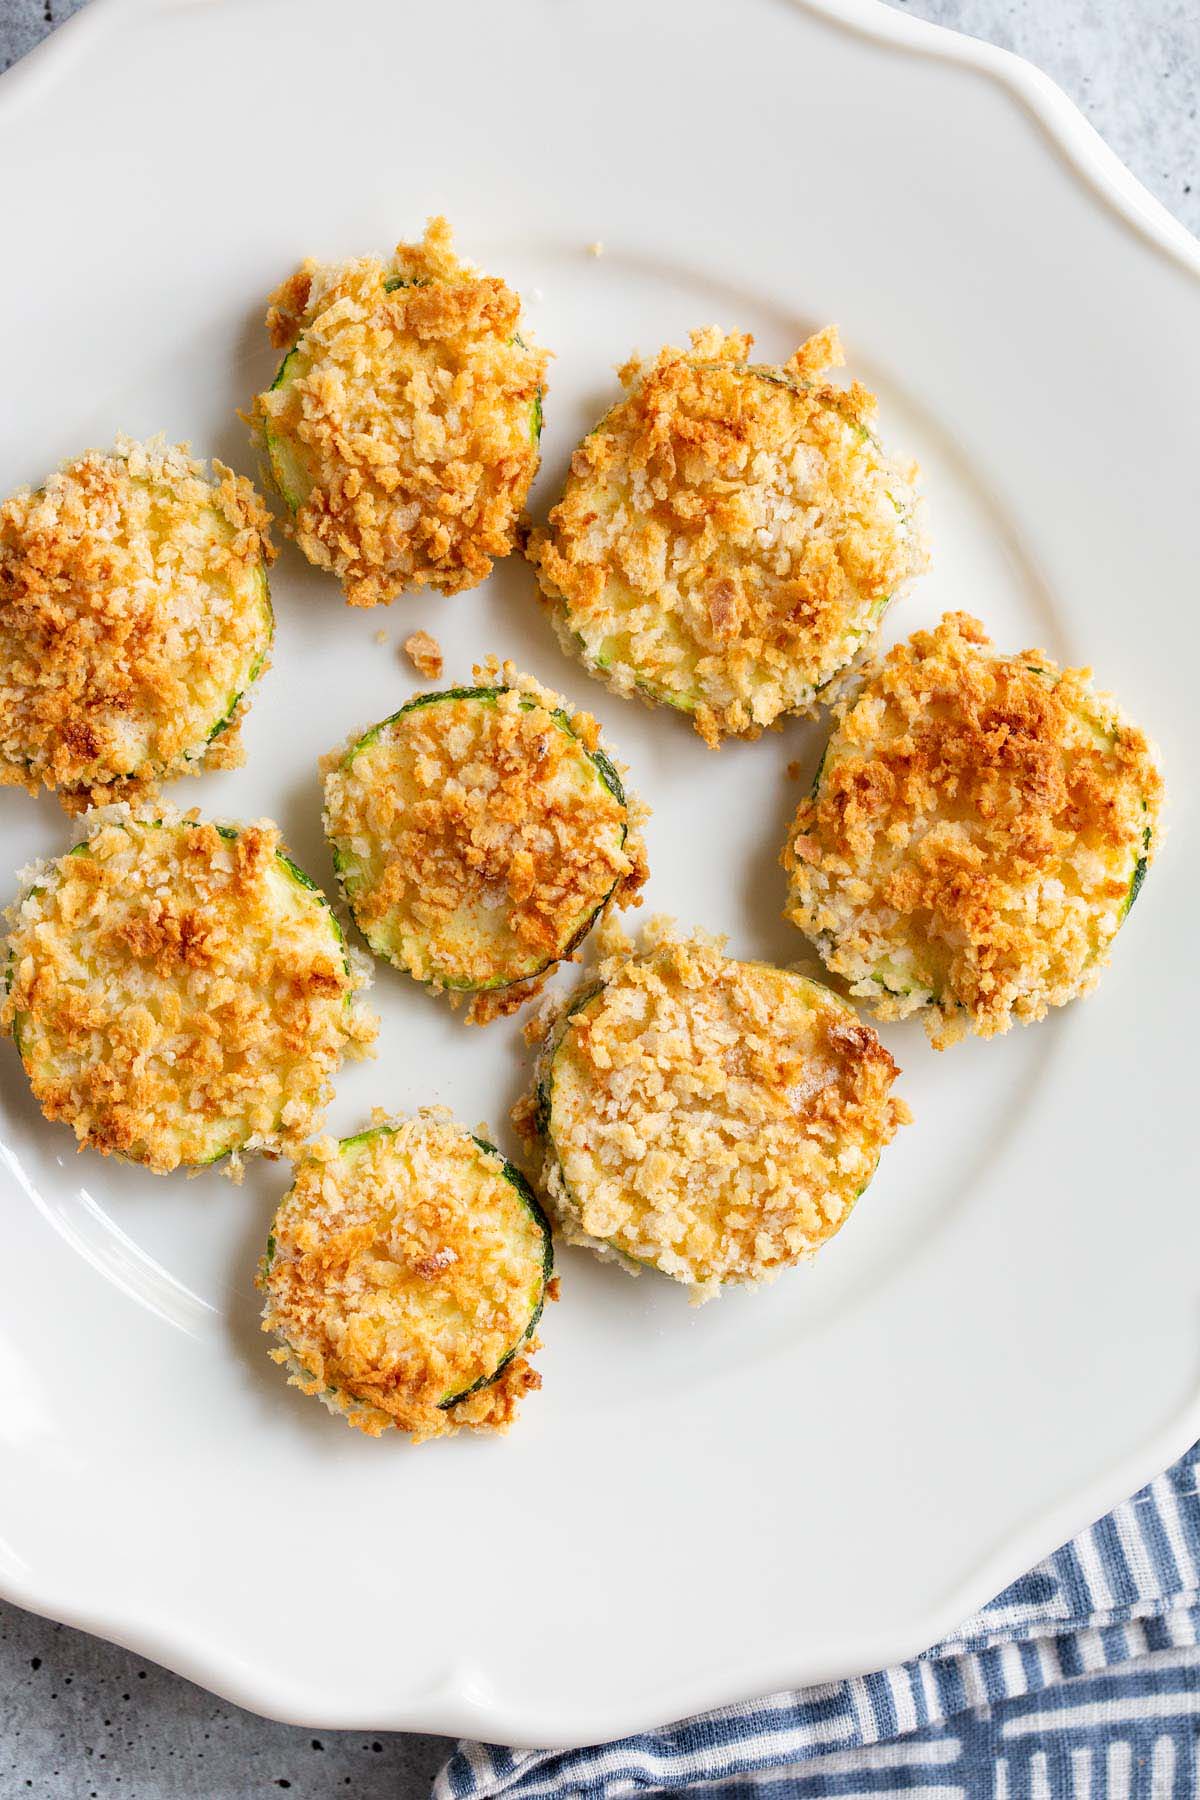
x: 414, y: 416
x: 729, y: 533
x: 130, y: 614
x: 421, y: 1217
x: 478, y: 811
x: 163, y: 991
x: 714, y: 1118
x: 974, y: 833
x: 425, y: 654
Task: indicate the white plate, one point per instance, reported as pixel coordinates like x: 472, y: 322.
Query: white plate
x: 780, y: 1487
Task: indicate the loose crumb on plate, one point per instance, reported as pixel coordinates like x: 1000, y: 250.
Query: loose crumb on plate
x: 424, y: 653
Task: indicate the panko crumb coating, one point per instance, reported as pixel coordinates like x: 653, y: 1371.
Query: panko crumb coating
x: 134, y: 615
x: 713, y: 1119
x: 398, y: 1271
x: 979, y: 827
x: 403, y: 425
x: 730, y: 534
x: 179, y: 992
x: 482, y: 816
x: 425, y: 654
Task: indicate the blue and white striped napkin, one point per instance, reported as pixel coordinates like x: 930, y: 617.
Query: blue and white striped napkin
x: 1082, y: 1679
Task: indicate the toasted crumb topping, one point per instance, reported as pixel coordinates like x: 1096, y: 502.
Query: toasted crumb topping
x: 405, y: 1268
x: 403, y: 430
x: 730, y: 533
x: 480, y: 833
x: 712, y: 1118
x: 134, y: 614
x: 424, y: 653
x: 979, y: 828
x: 178, y: 991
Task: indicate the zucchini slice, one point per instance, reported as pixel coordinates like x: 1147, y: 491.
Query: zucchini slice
x: 729, y: 537
x: 179, y: 992
x: 477, y: 836
x: 138, y: 616
x: 403, y: 423
x: 713, y: 1119
x: 977, y: 831
x: 406, y: 1275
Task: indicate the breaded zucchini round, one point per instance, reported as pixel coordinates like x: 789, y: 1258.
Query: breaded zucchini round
x: 714, y: 1119
x: 179, y: 991
x: 405, y: 1275
x: 730, y: 534
x: 479, y: 833
x: 402, y: 427
x: 979, y: 826
x: 134, y: 615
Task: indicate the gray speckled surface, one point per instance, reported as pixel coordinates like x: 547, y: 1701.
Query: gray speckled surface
x: 80, y: 1718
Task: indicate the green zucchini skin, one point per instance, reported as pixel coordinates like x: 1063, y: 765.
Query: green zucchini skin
x: 278, y: 451
x: 599, y: 760
x: 543, y: 1118
x: 1139, y: 870
x: 544, y: 1080
x: 533, y: 1207
x: 256, y: 667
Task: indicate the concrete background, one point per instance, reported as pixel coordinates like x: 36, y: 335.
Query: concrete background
x: 84, y: 1720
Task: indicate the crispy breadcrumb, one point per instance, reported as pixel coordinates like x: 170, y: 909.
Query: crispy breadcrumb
x: 178, y: 991
x: 714, y: 1119
x: 404, y: 1267
x: 730, y: 533
x: 979, y: 827
x: 424, y: 653
x: 480, y: 833
x: 403, y: 428
x: 134, y: 614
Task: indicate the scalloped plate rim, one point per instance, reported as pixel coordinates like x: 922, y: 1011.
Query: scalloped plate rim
x: 448, y: 1706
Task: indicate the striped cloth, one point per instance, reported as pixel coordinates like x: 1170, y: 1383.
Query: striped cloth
x: 1082, y: 1679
